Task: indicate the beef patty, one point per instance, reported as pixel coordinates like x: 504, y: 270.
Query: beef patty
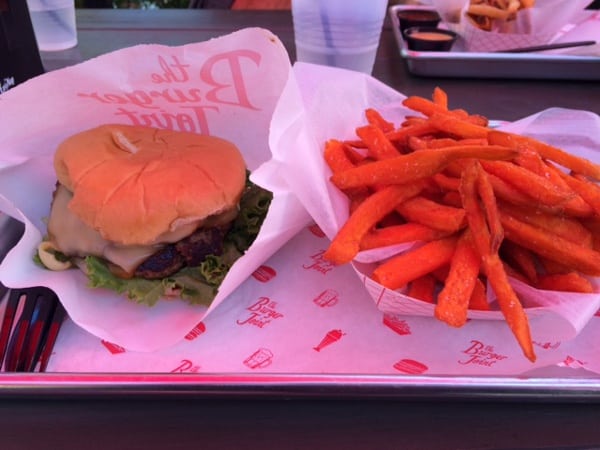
x: 190, y: 251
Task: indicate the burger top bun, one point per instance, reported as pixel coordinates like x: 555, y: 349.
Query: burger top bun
x: 133, y: 184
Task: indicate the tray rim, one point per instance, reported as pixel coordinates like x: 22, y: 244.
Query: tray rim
x: 275, y: 385
x: 412, y: 56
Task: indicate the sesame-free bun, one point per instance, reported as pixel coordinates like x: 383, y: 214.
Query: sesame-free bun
x: 133, y: 184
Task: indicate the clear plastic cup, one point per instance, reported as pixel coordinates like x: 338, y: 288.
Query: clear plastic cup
x: 53, y: 23
x: 340, y: 33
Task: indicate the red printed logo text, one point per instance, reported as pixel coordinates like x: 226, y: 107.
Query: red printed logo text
x: 186, y: 366
x: 481, y: 354
x: 319, y: 263
x: 219, y: 82
x: 261, y: 313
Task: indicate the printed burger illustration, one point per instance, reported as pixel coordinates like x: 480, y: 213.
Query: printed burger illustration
x: 151, y: 213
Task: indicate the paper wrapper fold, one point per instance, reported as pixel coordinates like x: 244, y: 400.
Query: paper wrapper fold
x: 216, y: 87
x: 322, y: 103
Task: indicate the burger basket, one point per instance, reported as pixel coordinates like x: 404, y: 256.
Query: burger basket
x: 197, y: 88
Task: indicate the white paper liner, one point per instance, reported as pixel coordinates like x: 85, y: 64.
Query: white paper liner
x: 216, y: 87
x: 329, y: 103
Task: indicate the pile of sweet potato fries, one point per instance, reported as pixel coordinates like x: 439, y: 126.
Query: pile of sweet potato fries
x: 482, y: 203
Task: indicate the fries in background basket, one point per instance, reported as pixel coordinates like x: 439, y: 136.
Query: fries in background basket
x: 485, y: 14
x: 481, y: 204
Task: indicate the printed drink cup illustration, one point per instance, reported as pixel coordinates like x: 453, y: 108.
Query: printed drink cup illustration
x: 260, y: 359
x: 328, y: 297
x: 196, y: 331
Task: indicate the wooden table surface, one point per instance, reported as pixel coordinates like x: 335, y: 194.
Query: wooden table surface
x: 322, y: 423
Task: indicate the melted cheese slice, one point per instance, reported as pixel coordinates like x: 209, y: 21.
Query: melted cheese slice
x: 74, y: 238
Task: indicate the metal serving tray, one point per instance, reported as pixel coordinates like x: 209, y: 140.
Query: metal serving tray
x: 554, y: 384
x: 461, y: 64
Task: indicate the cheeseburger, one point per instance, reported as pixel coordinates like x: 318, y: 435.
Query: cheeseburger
x: 151, y: 213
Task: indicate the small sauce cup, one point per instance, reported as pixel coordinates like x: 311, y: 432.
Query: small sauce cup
x: 429, y: 39
x: 409, y: 18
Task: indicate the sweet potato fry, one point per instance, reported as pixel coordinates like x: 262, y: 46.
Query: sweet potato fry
x: 589, y: 192
x: 428, y: 107
x: 531, y: 160
x: 593, y: 225
x: 378, y: 145
x: 440, y: 98
x: 450, y: 142
x: 441, y: 273
x: 400, y: 270
x: 550, y: 267
x: 510, y: 194
x: 423, y: 288
x: 355, y: 155
x: 490, y: 208
x: 346, y: 244
x: 413, y: 120
x: 453, y: 300
x: 357, y: 196
x: 398, y: 234
x: 567, y: 282
x: 551, y: 246
x: 514, y: 273
x: 511, y: 307
x: 355, y: 143
x: 336, y: 157
x: 445, y: 182
x: 415, y: 143
x: 415, y: 128
x: 540, y: 189
x: 578, y: 206
x: 375, y: 118
x: 440, y: 106
x: 458, y: 127
x: 520, y: 259
x: 565, y: 227
x: 473, y: 209
x: 568, y: 160
x: 414, y: 166
x: 422, y: 210
x: 478, y: 300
